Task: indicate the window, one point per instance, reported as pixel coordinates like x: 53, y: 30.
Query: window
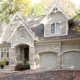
x: 55, y: 28
x: 5, y: 53
x: 22, y: 32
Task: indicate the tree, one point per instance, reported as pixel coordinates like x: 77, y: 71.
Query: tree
x: 42, y: 7
x: 77, y: 18
x: 77, y: 15
x: 68, y: 6
x: 9, y: 7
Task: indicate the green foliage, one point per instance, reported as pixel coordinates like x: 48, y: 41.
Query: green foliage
x: 3, y: 62
x: 9, y: 8
x: 77, y: 16
x: 40, y: 8
x: 26, y: 64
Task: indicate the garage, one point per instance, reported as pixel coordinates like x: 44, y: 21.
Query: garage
x: 48, y: 60
x: 71, y: 60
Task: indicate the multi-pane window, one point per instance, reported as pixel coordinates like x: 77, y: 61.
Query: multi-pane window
x: 55, y: 28
x: 5, y: 53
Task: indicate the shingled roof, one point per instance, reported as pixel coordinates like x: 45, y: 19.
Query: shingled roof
x: 39, y: 31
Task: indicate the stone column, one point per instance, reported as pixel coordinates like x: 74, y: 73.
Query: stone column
x: 12, y: 56
x: 32, y: 57
x: 58, y: 61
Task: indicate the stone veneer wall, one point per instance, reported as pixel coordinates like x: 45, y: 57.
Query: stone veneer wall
x: 56, y: 47
x: 13, y: 56
x: 32, y: 57
x: 47, y: 47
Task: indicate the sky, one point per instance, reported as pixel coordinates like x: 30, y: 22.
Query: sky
x: 77, y: 2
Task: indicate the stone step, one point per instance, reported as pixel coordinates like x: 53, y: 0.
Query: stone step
x: 12, y: 67
x: 6, y: 70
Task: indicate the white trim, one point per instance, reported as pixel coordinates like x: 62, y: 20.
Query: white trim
x: 54, y: 34
x: 70, y: 50
x: 47, y: 52
x: 67, y: 27
x: 23, y: 22
x: 25, y: 28
x: 51, y: 10
x: 4, y: 53
x: 50, y: 28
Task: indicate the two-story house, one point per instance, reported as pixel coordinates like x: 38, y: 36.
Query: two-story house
x: 47, y: 42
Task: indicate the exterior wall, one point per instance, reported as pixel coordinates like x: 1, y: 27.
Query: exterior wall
x: 13, y: 24
x: 32, y: 58
x: 70, y: 46
x: 57, y: 17
x: 12, y: 52
x: 58, y: 47
x: 26, y: 40
x: 71, y: 53
x: 13, y: 56
x: 47, y: 47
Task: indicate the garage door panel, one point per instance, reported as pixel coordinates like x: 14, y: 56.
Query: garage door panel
x: 71, y: 60
x: 48, y: 60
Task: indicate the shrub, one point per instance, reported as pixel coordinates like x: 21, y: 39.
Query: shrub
x: 19, y: 67
x: 26, y: 65
x: 3, y: 62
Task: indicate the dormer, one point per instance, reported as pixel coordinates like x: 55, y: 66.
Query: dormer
x: 55, y: 22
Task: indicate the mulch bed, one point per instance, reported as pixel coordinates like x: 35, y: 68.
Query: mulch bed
x: 44, y: 75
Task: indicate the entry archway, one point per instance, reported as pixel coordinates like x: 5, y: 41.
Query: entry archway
x: 22, y: 52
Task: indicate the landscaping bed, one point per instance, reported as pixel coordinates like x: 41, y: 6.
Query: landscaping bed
x: 44, y: 75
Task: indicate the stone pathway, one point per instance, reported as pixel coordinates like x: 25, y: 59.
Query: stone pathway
x: 44, y: 75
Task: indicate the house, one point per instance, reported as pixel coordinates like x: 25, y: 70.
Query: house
x: 47, y: 42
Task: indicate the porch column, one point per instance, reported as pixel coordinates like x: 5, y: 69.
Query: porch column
x: 12, y: 56
x: 32, y: 57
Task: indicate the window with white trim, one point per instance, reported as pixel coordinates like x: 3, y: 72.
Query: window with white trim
x: 5, y: 53
x: 55, y: 28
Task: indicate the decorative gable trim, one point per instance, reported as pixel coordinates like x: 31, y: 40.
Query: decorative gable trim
x: 26, y: 27
x: 51, y: 11
x: 16, y: 14
x: 23, y: 22
x: 20, y: 16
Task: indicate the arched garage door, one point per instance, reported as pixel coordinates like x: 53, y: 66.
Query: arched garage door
x: 71, y: 60
x: 48, y: 60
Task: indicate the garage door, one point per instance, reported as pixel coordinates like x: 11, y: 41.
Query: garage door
x: 71, y: 60
x: 48, y: 60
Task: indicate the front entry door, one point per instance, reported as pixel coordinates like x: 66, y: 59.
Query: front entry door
x: 26, y: 53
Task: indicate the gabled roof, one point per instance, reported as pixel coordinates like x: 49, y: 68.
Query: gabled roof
x: 73, y: 34
x: 23, y: 22
x: 59, y: 8
x: 25, y: 26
